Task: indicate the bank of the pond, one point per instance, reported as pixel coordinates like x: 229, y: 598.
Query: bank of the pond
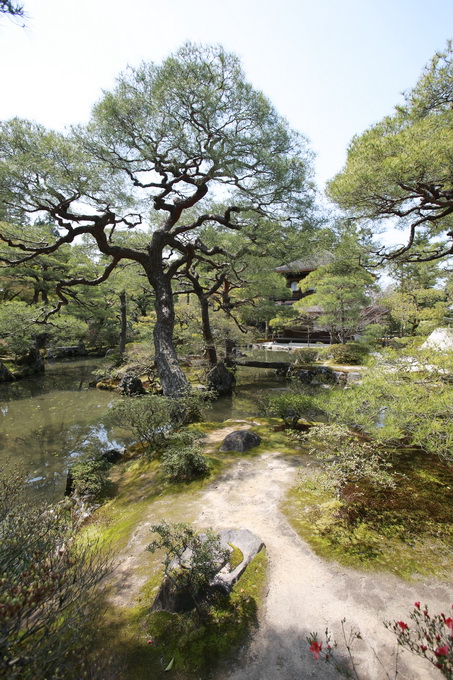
x: 46, y: 419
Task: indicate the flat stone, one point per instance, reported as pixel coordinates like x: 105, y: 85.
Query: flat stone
x: 168, y: 599
x: 248, y: 543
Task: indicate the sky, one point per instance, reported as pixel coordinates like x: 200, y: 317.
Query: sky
x: 331, y: 67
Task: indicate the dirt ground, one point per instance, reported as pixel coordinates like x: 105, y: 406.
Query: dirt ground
x: 305, y: 593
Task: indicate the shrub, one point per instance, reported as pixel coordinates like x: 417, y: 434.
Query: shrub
x: 182, y: 459
x: 90, y: 472
x: 290, y: 406
x: 408, y: 342
x: 305, y: 355
x: 403, y: 399
x: 148, y: 417
x: 153, y: 418
x: 188, y: 408
x: 48, y: 589
x: 353, y: 353
x: 189, y: 574
x: 346, y: 458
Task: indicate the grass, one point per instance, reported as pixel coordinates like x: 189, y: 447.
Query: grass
x: 407, y: 531
x: 143, y: 643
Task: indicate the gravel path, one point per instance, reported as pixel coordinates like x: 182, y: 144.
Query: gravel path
x: 306, y: 593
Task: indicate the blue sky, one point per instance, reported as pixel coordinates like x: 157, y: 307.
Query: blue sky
x: 331, y: 68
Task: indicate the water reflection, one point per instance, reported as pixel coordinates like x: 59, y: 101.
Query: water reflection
x: 245, y: 401
x: 45, y: 420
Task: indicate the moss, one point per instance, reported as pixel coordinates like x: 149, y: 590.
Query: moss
x: 407, y: 531
x: 236, y: 556
x: 146, y: 642
x: 197, y: 647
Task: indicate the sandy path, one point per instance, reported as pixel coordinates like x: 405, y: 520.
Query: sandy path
x: 305, y: 593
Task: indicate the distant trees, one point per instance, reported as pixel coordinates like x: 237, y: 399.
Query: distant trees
x: 400, y: 168
x: 340, y: 289
x: 169, y: 141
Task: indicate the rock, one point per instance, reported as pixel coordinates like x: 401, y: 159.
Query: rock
x: 112, y: 456
x: 5, y: 374
x: 170, y: 600
x: 130, y: 385
x: 241, y: 440
x: 317, y: 375
x: 248, y: 543
x: 220, y: 379
x: 441, y: 339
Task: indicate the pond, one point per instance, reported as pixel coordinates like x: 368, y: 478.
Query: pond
x: 46, y: 419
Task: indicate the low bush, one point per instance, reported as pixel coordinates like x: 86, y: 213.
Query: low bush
x: 90, y: 472
x: 305, y: 355
x: 189, y: 575
x: 153, y: 418
x: 291, y: 406
x: 48, y: 590
x: 147, y: 417
x: 182, y: 459
x: 353, y: 353
x: 347, y: 459
x: 409, y: 343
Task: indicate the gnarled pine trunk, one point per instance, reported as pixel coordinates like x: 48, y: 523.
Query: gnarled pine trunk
x: 172, y: 379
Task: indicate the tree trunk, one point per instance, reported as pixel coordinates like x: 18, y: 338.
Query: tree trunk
x: 172, y: 379
x: 209, y: 345
x: 123, y: 330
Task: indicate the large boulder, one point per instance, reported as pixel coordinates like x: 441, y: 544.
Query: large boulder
x: 220, y: 379
x: 240, y: 440
x: 130, y: 385
x: 248, y: 543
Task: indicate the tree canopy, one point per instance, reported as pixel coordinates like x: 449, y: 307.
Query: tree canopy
x: 401, y: 168
x: 174, y: 147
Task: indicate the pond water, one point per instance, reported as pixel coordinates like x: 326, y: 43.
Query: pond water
x: 45, y: 420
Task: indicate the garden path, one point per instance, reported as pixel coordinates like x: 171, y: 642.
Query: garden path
x: 306, y: 593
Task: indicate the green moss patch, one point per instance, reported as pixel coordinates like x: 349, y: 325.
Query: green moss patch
x: 407, y: 531
x: 146, y: 643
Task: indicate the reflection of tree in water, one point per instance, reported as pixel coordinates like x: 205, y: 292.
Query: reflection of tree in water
x: 46, y: 419
x: 44, y: 455
x: 67, y: 376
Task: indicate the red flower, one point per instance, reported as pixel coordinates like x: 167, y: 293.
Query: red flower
x: 150, y: 641
x: 423, y: 648
x: 402, y: 625
x: 442, y: 651
x: 315, y: 648
x: 449, y: 623
x: 417, y: 604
